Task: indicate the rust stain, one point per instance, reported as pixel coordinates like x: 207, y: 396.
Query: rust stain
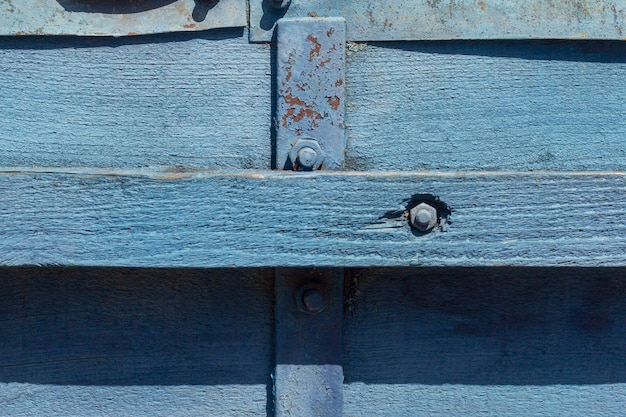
x: 189, y: 26
x: 310, y: 113
x: 482, y: 5
x: 324, y: 62
x: 288, y: 77
x: 299, y: 87
x: 132, y: 34
x: 294, y: 101
x: 330, y: 32
x: 316, y: 47
x: 339, y: 82
x: 334, y: 102
x: 287, y: 115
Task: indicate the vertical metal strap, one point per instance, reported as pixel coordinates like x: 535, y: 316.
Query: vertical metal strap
x: 310, y: 106
x: 308, y: 378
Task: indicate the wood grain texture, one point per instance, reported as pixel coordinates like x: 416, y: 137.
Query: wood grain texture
x: 485, y: 342
x: 192, y: 100
x: 486, y: 105
x: 205, y: 100
x: 273, y: 219
x: 135, y: 342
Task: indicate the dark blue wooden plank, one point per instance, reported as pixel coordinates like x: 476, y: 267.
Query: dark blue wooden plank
x: 135, y: 342
x: 485, y: 342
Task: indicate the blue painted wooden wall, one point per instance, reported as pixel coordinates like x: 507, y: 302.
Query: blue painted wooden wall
x: 136, y: 171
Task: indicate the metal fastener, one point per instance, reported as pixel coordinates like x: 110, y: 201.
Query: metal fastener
x: 313, y: 300
x: 423, y: 217
x: 306, y: 155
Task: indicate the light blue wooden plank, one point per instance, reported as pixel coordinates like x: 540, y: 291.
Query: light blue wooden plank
x: 268, y: 218
x: 205, y: 101
x: 191, y: 100
x: 485, y: 342
x: 486, y: 105
x: 121, y: 342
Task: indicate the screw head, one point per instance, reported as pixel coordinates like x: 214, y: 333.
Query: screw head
x: 306, y: 155
x: 423, y: 217
x: 313, y: 300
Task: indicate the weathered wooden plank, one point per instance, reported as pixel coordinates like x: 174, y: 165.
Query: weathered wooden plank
x: 345, y: 219
x: 370, y: 20
x: 192, y: 100
x: 88, y: 341
x: 204, y: 100
x: 487, y: 105
x: 485, y: 342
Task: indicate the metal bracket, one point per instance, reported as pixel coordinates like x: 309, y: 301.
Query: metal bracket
x: 310, y: 108
x: 308, y: 378
x: 118, y: 17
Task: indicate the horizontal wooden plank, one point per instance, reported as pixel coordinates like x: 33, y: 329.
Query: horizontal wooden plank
x: 460, y: 19
x: 205, y: 101
x: 485, y: 342
x: 486, y: 105
x: 121, y: 342
x: 255, y: 218
x: 189, y: 100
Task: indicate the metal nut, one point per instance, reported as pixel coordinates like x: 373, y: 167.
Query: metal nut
x: 306, y: 155
x: 423, y: 217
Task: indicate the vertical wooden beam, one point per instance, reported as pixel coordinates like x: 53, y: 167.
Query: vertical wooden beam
x: 308, y: 377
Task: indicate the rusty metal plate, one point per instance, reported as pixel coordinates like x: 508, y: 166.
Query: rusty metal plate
x: 310, y: 105
x: 117, y: 17
x: 382, y: 20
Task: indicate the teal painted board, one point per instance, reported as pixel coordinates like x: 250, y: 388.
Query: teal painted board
x: 205, y: 101
x: 268, y: 218
x: 178, y: 100
x: 486, y: 106
x: 485, y: 342
x: 119, y: 342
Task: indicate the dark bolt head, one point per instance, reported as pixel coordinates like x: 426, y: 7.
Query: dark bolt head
x: 423, y: 217
x: 313, y: 300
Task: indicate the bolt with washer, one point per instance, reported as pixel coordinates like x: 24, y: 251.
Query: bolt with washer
x: 423, y: 217
x: 306, y: 155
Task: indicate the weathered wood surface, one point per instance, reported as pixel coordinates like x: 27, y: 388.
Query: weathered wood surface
x: 485, y: 342
x: 204, y: 100
x: 192, y: 100
x: 269, y: 218
x: 120, y: 342
x: 487, y: 105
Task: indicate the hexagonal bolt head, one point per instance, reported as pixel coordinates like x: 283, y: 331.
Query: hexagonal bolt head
x: 306, y: 155
x: 423, y: 217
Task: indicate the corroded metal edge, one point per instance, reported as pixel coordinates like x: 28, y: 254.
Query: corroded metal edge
x: 118, y: 18
x: 467, y: 19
